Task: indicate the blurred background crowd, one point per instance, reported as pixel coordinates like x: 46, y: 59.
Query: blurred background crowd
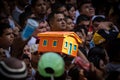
x: 96, y: 22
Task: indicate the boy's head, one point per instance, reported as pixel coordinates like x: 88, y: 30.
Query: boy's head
x: 6, y: 35
x: 85, y: 7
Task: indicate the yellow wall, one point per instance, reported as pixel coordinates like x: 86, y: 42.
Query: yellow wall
x: 70, y: 40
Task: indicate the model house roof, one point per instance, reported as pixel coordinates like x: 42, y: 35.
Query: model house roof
x: 60, y: 34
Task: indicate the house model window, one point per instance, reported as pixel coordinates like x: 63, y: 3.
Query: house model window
x: 66, y: 44
x: 45, y: 43
x: 75, y: 47
x: 54, y: 43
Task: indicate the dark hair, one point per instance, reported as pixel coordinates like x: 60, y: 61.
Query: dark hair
x: 56, y: 6
x: 113, y: 75
x: 82, y: 18
x: 74, y: 73
x: 33, y: 3
x: 113, y: 50
x: 81, y: 3
x: 98, y: 19
x: 79, y: 29
x: 96, y: 54
x: 51, y: 16
x: 100, y: 51
x: 4, y: 16
x: 69, y: 6
x: 3, y: 26
x: 95, y: 60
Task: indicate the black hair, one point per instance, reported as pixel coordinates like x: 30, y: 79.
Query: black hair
x: 95, y: 60
x: 80, y: 3
x: 96, y: 54
x: 56, y: 6
x: 79, y: 29
x: 113, y: 75
x: 74, y: 73
x: 69, y: 6
x: 51, y: 16
x: 82, y: 17
x: 3, y: 26
x: 113, y: 49
x: 33, y: 2
x: 98, y: 19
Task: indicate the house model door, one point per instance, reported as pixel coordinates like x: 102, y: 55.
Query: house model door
x: 70, y: 49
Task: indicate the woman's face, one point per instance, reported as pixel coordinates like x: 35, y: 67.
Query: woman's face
x: 69, y: 24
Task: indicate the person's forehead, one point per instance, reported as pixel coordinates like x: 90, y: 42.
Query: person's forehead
x: 72, y: 8
x: 96, y: 22
x: 40, y: 2
x: 85, y: 22
x: 62, y: 8
x: 59, y: 15
x: 86, y: 4
x: 7, y: 31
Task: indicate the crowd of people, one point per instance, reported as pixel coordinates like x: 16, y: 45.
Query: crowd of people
x: 96, y: 22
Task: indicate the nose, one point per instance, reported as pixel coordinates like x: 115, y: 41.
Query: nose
x: 12, y: 35
x: 73, y: 25
x: 63, y: 21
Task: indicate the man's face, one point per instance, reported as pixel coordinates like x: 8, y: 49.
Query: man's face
x: 87, y: 9
x: 58, y: 23
x: 7, y: 38
x: 40, y: 7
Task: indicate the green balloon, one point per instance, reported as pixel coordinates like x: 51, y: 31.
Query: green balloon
x: 51, y: 60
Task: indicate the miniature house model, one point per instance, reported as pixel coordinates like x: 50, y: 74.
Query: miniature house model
x: 62, y: 42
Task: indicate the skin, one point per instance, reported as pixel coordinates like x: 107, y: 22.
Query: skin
x: 43, y: 27
x: 102, y: 25
x: 70, y: 25
x: 7, y: 38
x: 86, y: 23
x: 63, y: 10
x: 58, y: 23
x: 72, y: 13
x: 88, y: 10
x: 40, y: 8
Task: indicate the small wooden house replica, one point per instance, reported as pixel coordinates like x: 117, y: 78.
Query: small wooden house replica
x: 62, y: 42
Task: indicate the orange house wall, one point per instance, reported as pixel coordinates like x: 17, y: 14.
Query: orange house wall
x: 50, y: 46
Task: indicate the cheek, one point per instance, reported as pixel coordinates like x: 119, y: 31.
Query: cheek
x: 58, y: 23
x: 37, y: 9
x: 102, y: 65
